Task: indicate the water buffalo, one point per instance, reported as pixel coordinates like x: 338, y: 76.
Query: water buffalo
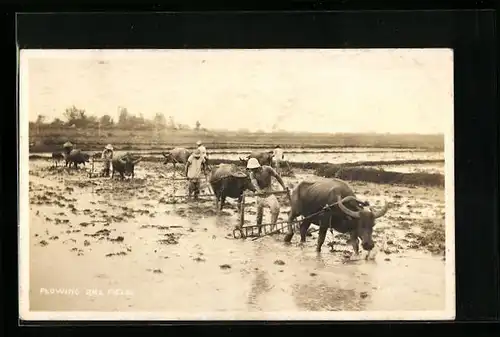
x: 228, y: 181
x: 97, y: 155
x: 57, y: 157
x: 264, y: 158
x: 76, y: 157
x: 177, y: 155
x: 348, y: 216
x: 124, y: 165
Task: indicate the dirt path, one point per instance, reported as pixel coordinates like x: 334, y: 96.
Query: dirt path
x: 117, y: 246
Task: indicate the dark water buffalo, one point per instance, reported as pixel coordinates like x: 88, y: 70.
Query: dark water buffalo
x: 178, y: 155
x: 76, y: 157
x: 124, y: 165
x: 349, y: 216
x: 57, y: 157
x: 97, y: 155
x: 229, y: 181
x: 264, y: 158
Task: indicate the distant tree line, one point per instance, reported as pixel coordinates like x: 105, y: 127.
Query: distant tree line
x: 78, y: 118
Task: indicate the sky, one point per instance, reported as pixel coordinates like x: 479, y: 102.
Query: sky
x: 311, y: 90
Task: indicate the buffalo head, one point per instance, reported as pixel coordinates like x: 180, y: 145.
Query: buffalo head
x: 244, y: 180
x: 129, y: 163
x: 365, y: 220
x: 168, y: 157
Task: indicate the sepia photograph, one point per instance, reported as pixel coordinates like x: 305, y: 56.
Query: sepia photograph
x: 236, y: 184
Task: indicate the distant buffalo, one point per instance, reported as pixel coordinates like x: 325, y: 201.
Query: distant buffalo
x: 264, y: 158
x: 57, y: 157
x: 76, y: 157
x: 179, y: 155
x: 97, y: 155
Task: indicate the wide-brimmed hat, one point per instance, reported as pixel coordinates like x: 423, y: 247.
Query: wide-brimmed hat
x: 253, y: 163
x: 109, y: 147
x: 68, y: 144
x: 197, y: 153
x: 199, y: 143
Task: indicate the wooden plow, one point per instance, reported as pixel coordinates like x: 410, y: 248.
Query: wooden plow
x: 259, y: 231
x: 242, y: 231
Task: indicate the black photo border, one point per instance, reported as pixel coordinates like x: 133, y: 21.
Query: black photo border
x: 469, y: 27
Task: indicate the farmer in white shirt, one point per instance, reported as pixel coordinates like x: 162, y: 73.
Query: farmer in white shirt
x: 195, y: 167
x: 278, y: 157
x: 203, y: 150
x: 107, y: 157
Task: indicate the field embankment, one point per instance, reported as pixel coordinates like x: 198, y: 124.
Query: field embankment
x: 47, y: 139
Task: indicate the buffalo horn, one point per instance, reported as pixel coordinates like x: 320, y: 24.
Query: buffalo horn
x: 346, y: 210
x: 378, y: 214
x: 137, y: 160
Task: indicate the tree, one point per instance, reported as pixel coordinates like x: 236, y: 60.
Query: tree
x: 123, y: 117
x: 40, y: 119
x: 198, y: 125
x: 91, y: 121
x: 75, y: 116
x: 171, y: 123
x: 106, y: 121
x: 159, y: 121
x: 183, y: 126
x: 57, y: 122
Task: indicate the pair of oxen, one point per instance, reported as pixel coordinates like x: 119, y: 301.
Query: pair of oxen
x: 123, y: 164
x: 328, y: 203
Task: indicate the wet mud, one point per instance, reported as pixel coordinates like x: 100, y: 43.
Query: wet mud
x: 135, y: 245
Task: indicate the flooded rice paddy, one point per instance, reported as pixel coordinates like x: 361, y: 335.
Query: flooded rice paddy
x: 109, y: 245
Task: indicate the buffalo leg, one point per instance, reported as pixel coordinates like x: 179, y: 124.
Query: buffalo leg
x: 240, y: 199
x: 291, y: 218
x: 304, y: 226
x: 353, y: 241
x: 321, y: 237
x: 217, y: 202
x: 222, y: 201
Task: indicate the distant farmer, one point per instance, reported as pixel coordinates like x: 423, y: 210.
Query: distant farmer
x: 278, y: 157
x: 203, y: 150
x: 67, y: 147
x: 261, y: 179
x: 107, y: 156
x: 195, y: 167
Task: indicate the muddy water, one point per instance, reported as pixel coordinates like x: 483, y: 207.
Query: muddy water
x: 123, y: 246
x: 336, y: 158
x: 347, y: 155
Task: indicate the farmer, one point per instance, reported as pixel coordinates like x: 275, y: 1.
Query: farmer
x: 195, y: 167
x: 278, y: 156
x: 203, y: 151
x: 107, y: 156
x: 67, y: 147
x: 261, y: 179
